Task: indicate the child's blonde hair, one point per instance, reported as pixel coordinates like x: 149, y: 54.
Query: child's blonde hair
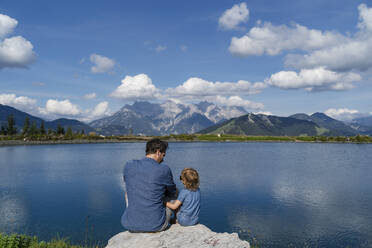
x: 190, y: 178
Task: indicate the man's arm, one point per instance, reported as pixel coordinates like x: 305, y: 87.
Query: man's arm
x: 171, y: 189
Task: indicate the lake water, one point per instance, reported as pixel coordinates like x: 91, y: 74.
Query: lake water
x: 273, y: 194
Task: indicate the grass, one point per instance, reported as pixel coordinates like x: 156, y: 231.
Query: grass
x: 244, y: 138
x: 24, y: 241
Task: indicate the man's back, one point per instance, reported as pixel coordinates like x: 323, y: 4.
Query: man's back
x: 147, y: 182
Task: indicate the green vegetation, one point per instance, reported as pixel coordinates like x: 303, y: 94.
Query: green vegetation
x: 11, y: 129
x: 52, y: 136
x: 245, y: 138
x: 31, y: 132
x: 321, y: 130
x: 23, y: 241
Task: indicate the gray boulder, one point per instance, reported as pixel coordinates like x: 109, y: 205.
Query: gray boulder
x: 178, y: 237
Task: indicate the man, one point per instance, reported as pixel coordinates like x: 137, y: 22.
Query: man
x: 147, y: 183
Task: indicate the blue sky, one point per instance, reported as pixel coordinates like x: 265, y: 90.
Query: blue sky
x: 86, y: 59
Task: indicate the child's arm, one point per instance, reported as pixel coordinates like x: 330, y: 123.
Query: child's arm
x: 173, y: 205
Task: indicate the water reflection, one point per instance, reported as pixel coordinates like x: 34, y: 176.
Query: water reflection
x: 13, y: 213
x: 279, y: 194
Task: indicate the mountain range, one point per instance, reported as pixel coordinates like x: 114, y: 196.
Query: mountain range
x: 144, y: 118
x: 20, y: 116
x: 171, y: 117
x: 331, y: 127
x: 294, y: 125
x: 362, y: 124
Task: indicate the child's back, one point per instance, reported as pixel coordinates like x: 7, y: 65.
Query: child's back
x: 188, y: 214
x: 188, y: 201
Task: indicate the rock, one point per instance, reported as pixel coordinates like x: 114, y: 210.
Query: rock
x: 178, y: 237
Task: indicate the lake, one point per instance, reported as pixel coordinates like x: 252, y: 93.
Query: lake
x: 272, y: 194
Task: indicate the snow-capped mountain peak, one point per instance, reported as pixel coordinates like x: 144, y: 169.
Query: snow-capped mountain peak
x: 165, y: 118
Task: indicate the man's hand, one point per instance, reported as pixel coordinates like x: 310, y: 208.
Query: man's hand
x: 174, y: 205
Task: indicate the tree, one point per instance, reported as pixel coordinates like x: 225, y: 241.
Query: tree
x: 60, y: 129
x: 26, y: 126
x: 69, y: 132
x: 33, y: 128
x: 82, y: 132
x: 42, y: 128
x: 11, y: 129
x: 3, y: 130
x: 50, y: 131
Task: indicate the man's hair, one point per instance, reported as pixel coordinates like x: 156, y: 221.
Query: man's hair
x: 190, y: 178
x: 154, y: 145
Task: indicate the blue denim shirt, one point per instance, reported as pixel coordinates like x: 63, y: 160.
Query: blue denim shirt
x: 188, y: 214
x: 147, y: 183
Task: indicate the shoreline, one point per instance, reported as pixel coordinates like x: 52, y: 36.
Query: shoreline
x: 143, y: 140
x: 58, y: 142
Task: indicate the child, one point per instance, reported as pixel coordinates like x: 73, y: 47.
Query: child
x: 188, y: 200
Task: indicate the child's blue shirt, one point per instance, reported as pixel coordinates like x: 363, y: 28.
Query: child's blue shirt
x: 188, y: 214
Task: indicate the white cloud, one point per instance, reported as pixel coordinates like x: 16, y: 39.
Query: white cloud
x: 221, y: 93
x: 7, y: 25
x: 318, y: 79
x: 343, y: 114
x: 272, y: 40
x: 54, y: 108
x: 263, y: 113
x: 231, y: 18
x: 160, y: 49
x: 16, y: 52
x: 329, y: 49
x: 200, y: 87
x: 101, y: 64
x: 137, y: 87
x: 365, y: 17
x: 90, y: 96
x: 234, y: 101
x: 60, y: 108
x: 194, y: 89
x: 352, y: 55
x: 21, y: 102
x: 102, y: 109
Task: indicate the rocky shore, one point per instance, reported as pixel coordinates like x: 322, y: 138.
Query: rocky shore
x: 198, y: 236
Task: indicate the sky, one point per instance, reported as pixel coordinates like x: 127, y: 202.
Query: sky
x: 87, y: 59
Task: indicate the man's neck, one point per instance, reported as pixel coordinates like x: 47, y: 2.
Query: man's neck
x: 152, y: 156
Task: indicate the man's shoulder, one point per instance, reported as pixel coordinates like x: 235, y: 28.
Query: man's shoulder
x: 165, y: 168
x: 133, y: 161
x: 132, y: 164
x: 136, y: 161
